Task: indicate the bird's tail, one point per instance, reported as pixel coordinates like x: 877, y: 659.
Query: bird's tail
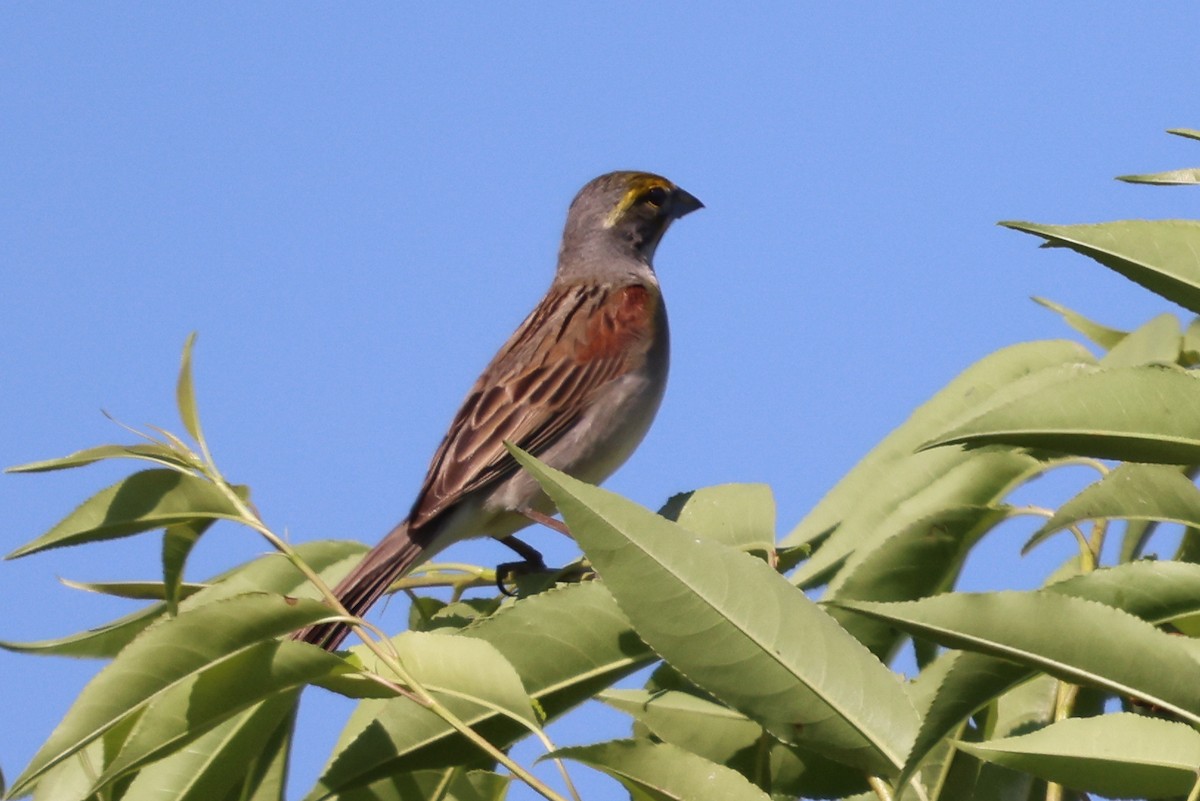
x: 366, y: 584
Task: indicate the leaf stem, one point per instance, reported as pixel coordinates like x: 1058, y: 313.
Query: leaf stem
x: 456, y: 581
x: 1096, y: 543
x: 880, y: 787
x: 1083, y: 461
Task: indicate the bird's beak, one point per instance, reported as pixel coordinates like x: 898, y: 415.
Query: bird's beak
x: 684, y: 202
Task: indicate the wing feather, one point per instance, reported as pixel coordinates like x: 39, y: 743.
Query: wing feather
x: 577, y: 340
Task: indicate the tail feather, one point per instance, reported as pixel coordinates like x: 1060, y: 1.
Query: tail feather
x: 366, y: 583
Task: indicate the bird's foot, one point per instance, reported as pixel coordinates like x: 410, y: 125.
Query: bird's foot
x: 507, y: 573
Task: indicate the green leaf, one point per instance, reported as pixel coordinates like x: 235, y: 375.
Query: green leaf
x: 453, y: 784
x: 1187, y: 133
x: 1158, y: 341
x: 739, y: 515
x: 178, y: 541
x: 950, y: 774
x: 1033, y: 704
x: 153, y: 452
x: 968, y: 777
x: 185, y: 393
x: 218, y: 761
x: 1077, y: 640
x: 1156, y: 591
x: 975, y: 479
x: 102, y: 642
x: 1136, y: 414
x: 1190, y: 349
x: 470, y: 670
x: 1102, y: 335
x: 144, y: 501
x: 1119, y: 755
x: 209, y: 696
x: 1134, y: 539
x: 133, y: 590
x: 266, y: 779
x: 964, y: 683
x: 662, y: 772
x: 1130, y: 492
x: 1161, y: 255
x: 426, y: 613
x: 1189, y: 551
x: 722, y: 618
x: 922, y: 559
x: 1169, y: 178
x: 274, y: 573
x: 271, y: 573
x: 721, y: 735
x: 176, y: 650
x: 561, y: 664
x: 922, y: 689
x: 893, y: 487
x: 72, y: 778
x: 695, y: 724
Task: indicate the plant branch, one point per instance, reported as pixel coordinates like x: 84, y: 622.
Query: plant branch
x: 415, y: 690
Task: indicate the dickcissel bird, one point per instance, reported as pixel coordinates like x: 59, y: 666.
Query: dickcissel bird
x: 577, y: 385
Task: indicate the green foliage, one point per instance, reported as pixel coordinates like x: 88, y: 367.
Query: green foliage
x: 759, y: 691
x: 718, y: 617
x: 663, y: 772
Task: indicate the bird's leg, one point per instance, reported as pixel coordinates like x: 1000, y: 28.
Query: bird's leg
x: 528, y: 553
x: 531, y: 562
x: 545, y: 520
x: 532, y: 559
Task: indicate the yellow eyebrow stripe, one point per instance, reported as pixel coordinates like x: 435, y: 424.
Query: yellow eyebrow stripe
x: 637, y: 187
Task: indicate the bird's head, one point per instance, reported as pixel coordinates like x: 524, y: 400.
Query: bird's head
x: 621, y: 216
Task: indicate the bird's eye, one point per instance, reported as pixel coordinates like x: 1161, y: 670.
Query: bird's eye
x: 655, y: 196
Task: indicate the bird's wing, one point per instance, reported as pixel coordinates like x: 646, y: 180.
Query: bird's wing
x: 579, y: 338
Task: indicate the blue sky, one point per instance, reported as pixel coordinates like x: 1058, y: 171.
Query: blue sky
x: 355, y: 206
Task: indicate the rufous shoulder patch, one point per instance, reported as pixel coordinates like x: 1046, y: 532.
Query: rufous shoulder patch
x: 625, y: 318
